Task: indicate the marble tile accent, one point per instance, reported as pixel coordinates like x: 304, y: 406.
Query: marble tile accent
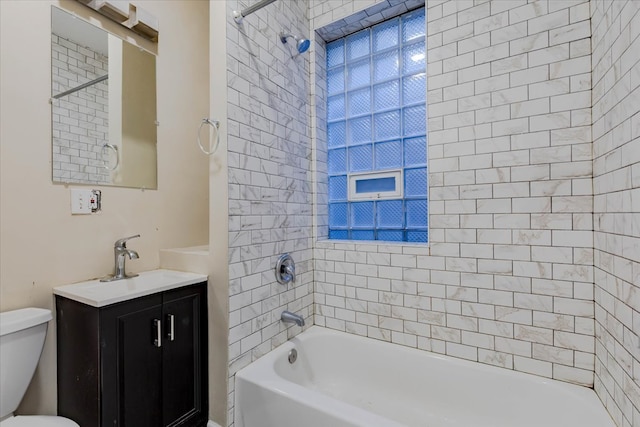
x: 616, y: 109
x: 270, y: 192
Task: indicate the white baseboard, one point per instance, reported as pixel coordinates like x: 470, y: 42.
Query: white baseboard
x: 212, y: 424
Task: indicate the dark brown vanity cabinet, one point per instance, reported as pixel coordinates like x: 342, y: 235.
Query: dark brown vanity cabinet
x: 138, y: 363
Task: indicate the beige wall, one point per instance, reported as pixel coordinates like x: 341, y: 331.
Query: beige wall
x: 41, y: 244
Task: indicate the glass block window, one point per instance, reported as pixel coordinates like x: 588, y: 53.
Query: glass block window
x: 376, y: 132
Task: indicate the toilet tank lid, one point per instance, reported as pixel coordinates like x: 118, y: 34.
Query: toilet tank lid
x: 16, y: 320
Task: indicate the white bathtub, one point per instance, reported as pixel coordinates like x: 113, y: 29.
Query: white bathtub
x: 342, y: 380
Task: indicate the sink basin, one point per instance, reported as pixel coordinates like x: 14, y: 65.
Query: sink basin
x: 100, y: 294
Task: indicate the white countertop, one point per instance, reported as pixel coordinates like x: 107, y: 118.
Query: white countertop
x: 100, y: 294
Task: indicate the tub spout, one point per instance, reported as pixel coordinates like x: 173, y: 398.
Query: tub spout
x: 289, y: 317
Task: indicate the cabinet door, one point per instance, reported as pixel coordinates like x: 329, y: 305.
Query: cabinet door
x: 184, y: 357
x: 133, y: 358
x: 79, y: 373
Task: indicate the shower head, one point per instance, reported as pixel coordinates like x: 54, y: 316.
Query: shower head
x: 301, y: 44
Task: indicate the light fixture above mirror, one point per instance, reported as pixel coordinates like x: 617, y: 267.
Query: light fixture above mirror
x: 127, y: 14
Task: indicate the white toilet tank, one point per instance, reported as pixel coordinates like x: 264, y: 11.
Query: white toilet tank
x: 22, y: 334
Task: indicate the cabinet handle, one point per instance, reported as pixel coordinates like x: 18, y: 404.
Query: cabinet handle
x: 172, y: 331
x: 158, y: 326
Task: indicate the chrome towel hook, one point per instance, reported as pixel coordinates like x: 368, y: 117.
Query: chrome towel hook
x: 216, y: 125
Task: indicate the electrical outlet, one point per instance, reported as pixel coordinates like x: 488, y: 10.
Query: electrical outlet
x: 81, y: 201
x: 96, y: 201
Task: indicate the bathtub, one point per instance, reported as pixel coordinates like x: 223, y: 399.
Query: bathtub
x: 343, y: 380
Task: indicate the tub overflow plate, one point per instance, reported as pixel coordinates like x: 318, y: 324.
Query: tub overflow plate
x: 293, y: 355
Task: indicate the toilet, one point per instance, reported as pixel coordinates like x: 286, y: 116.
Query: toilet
x: 22, y: 334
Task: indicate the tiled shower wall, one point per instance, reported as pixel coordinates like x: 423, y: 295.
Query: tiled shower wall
x: 80, y: 120
x: 270, y: 191
x: 616, y: 183
x: 507, y: 279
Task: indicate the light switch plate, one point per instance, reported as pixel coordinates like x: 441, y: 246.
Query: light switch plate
x: 81, y: 201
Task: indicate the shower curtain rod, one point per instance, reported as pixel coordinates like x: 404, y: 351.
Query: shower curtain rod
x: 82, y: 86
x: 237, y: 16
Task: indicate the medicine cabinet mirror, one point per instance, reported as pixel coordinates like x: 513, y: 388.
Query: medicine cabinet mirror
x: 104, y: 128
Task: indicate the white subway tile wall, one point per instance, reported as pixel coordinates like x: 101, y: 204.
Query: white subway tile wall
x: 270, y: 192
x: 508, y: 276
x: 616, y: 184
x: 80, y: 120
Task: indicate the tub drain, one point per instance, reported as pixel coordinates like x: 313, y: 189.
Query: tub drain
x: 293, y: 355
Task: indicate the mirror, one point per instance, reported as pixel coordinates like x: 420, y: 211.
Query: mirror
x: 104, y: 129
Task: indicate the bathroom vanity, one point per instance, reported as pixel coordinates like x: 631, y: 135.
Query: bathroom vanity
x: 134, y: 352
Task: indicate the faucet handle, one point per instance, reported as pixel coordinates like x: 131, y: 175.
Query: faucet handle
x: 123, y: 242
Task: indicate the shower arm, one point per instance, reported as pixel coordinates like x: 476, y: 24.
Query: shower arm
x: 237, y: 16
x: 285, y: 36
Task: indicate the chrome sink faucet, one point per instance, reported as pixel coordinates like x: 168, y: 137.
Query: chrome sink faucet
x: 120, y: 252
